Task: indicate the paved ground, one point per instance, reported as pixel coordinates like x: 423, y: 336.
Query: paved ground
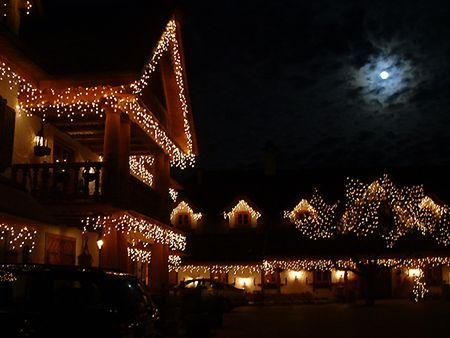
x: 387, y: 319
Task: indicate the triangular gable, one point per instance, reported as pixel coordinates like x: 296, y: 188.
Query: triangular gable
x: 241, y: 204
x: 184, y: 207
x: 78, y: 102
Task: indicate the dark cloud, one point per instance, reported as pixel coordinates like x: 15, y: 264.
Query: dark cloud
x: 305, y: 74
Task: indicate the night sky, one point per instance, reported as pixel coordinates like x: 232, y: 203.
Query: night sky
x: 305, y: 75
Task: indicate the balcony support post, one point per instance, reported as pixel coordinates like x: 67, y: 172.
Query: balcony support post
x: 111, y: 154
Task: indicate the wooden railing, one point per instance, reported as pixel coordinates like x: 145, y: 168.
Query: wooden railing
x: 60, y: 180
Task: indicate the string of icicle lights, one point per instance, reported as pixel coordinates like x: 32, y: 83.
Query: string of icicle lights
x: 419, y: 286
x: 315, y: 218
x: 401, y: 209
x: 379, y: 208
x: 242, y: 206
x: 141, y: 168
x: 270, y: 266
x: 18, y: 236
x: 218, y: 268
x: 130, y: 225
x: 151, y: 126
x: 174, y: 263
x: 72, y: 102
x: 183, y: 207
x: 139, y: 255
x: 173, y: 194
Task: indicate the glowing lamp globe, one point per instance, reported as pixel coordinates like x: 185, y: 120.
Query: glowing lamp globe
x: 384, y: 75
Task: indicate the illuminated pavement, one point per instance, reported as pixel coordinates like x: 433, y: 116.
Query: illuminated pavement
x: 386, y: 319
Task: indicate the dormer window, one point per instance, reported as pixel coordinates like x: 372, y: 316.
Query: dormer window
x: 242, y: 214
x: 183, y: 216
x: 314, y: 218
x: 183, y: 220
x: 243, y: 218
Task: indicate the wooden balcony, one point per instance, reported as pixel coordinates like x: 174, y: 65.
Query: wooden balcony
x: 60, y: 180
x: 81, y: 184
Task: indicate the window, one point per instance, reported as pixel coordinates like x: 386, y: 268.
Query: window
x: 243, y: 218
x: 322, y: 279
x: 183, y: 220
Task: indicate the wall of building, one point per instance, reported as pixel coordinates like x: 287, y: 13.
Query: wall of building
x: 246, y: 279
x: 184, y: 275
x: 27, y: 127
x: 296, y: 281
x: 38, y: 254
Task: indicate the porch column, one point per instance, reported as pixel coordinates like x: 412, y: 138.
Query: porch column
x: 158, y: 267
x: 124, y: 155
x: 111, y: 154
x: 113, y: 254
x: 162, y: 182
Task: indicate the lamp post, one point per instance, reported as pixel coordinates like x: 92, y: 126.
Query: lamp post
x: 100, y: 243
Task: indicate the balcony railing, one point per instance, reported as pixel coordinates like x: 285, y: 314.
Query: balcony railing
x: 60, y: 180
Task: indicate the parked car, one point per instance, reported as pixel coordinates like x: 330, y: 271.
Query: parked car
x: 69, y: 301
x: 227, y: 295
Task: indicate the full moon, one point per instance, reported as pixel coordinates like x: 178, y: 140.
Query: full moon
x: 384, y: 75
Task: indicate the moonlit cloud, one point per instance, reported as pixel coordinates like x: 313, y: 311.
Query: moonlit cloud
x: 306, y: 75
x: 397, y: 88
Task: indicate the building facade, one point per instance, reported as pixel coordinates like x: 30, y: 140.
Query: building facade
x: 278, y: 236
x: 93, y: 115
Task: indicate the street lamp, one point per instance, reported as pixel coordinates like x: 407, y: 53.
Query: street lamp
x: 100, y: 243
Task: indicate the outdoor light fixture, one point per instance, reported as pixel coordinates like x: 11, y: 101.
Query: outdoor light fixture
x: 414, y: 272
x: 340, y: 274
x: 296, y: 274
x: 384, y: 75
x: 41, y: 147
x: 100, y: 243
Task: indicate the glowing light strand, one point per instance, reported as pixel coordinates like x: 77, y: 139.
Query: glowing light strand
x: 18, y: 236
x: 365, y: 203
x: 174, y: 263
x: 72, y: 102
x: 173, y: 194
x: 239, y: 207
x: 183, y: 207
x: 139, y: 255
x: 141, y: 168
x: 131, y: 225
x: 314, y: 219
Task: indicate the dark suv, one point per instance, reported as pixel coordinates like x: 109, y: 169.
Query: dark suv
x: 63, y: 301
